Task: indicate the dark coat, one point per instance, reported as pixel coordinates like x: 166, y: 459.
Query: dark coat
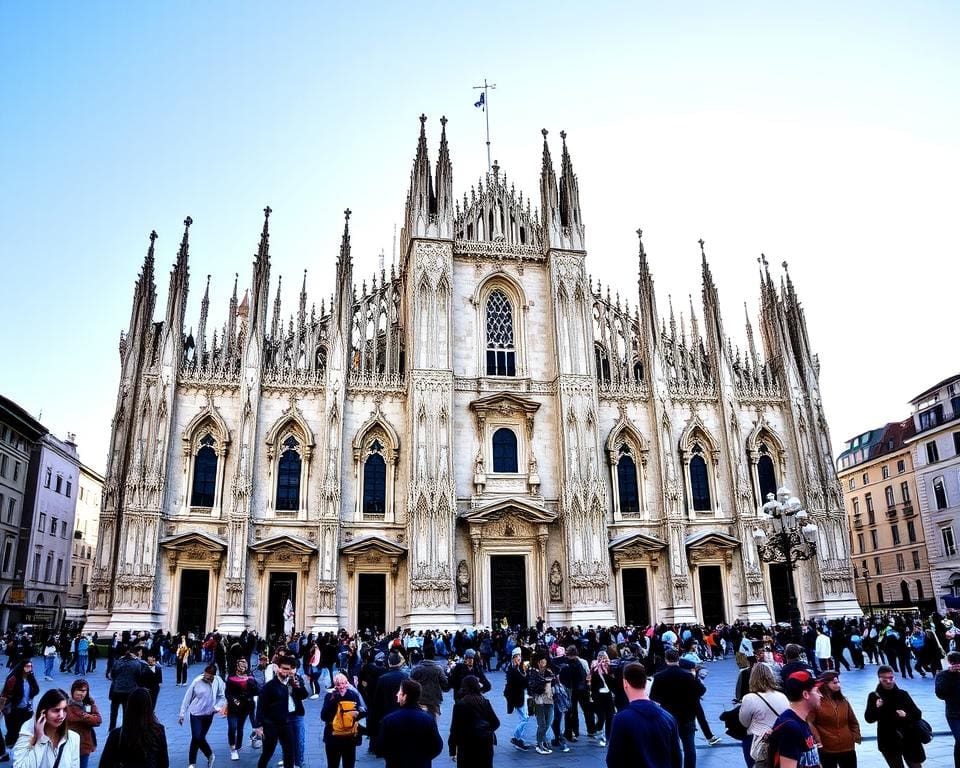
x: 678, y: 692
x: 947, y: 687
x: 115, y: 754
x: 383, y: 699
x: 409, y: 738
x: 461, y: 671
x: 273, y: 704
x: 433, y: 682
x: 644, y: 736
x: 894, y: 733
x: 515, y: 690
x: 470, y: 741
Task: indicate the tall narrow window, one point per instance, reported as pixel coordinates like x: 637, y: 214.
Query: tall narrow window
x: 699, y: 483
x: 501, y: 350
x: 919, y: 589
x: 880, y: 593
x: 766, y: 477
x: 939, y: 493
x: 504, y: 450
x: 602, y: 360
x: 888, y: 491
x: 375, y: 481
x: 288, y: 476
x: 204, y: 474
x: 627, y: 482
x: 905, y: 591
x: 905, y: 491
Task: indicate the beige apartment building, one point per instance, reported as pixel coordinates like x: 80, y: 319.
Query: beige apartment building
x: 887, y: 543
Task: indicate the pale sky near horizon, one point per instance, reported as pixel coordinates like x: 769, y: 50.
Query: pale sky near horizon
x: 826, y: 135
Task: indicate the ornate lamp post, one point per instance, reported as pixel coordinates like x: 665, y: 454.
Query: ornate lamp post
x: 866, y: 579
x: 787, y: 537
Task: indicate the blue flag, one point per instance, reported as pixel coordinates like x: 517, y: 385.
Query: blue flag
x: 483, y: 100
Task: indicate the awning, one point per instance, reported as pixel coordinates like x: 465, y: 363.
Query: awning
x: 950, y: 601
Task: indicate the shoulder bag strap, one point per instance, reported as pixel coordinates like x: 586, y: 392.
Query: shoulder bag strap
x: 768, y: 705
x: 56, y: 763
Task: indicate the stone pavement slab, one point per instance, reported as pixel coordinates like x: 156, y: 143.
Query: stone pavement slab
x: 585, y: 753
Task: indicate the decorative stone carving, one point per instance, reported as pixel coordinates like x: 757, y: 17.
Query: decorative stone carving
x: 463, y: 582
x: 556, y: 582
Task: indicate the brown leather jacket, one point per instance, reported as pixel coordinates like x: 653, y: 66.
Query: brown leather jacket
x: 82, y: 723
x: 835, y: 726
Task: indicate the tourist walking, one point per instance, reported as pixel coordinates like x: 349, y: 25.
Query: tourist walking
x: 540, y: 680
x: 433, y: 681
x: 791, y: 743
x: 644, y: 735
x: 274, y: 707
x: 947, y: 687
x: 49, y: 658
x: 204, y: 697
x: 601, y: 693
x: 466, y: 667
x: 183, y: 661
x: 679, y: 692
x: 835, y: 725
x: 383, y: 699
x: 342, y: 710
x: 141, y: 741
x: 151, y: 676
x: 19, y: 691
x: 896, y: 715
x: 240, y: 689
x: 82, y: 717
x: 515, y: 693
x: 408, y: 736
x: 759, y: 711
x: 473, y: 727
x: 125, y: 676
x: 45, y: 740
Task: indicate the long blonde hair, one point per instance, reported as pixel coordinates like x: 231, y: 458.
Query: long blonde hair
x: 762, y: 678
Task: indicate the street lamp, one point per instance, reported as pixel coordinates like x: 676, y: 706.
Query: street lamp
x: 790, y: 538
x: 866, y: 579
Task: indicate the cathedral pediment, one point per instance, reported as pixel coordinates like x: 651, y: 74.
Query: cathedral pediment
x: 515, y: 507
x: 635, y: 541
x: 504, y: 403
x: 711, y: 539
x: 373, y: 542
x: 285, y: 542
x: 372, y: 553
x: 194, y: 540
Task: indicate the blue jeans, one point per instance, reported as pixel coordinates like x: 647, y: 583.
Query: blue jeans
x: 544, y: 721
x: 199, y: 725
x: 524, y: 719
x: 235, y: 723
x: 81, y: 668
x: 48, y: 662
x: 687, y: 733
x: 299, y: 738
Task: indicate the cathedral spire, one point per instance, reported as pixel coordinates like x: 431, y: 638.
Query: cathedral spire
x: 144, y: 298
x: 421, y: 207
x: 570, y: 218
x: 261, y: 279
x: 444, y: 185
x: 751, y: 344
x: 711, y: 305
x: 179, y: 283
x: 343, y: 303
x: 230, y: 330
x: 204, y: 313
x: 275, y: 322
x: 302, y: 316
x: 549, y: 199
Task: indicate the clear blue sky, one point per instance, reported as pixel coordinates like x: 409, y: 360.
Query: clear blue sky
x: 824, y: 134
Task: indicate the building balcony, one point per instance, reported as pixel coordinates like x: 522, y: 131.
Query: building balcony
x: 892, y: 511
x: 857, y: 522
x: 908, y: 510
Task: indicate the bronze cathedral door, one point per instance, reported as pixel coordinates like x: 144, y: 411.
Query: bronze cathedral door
x: 508, y: 589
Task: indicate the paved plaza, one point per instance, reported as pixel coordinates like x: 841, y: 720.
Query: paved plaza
x: 719, y: 682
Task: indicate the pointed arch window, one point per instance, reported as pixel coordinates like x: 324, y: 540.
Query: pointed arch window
x: 627, y: 488
x: 501, y: 346
x: 766, y: 474
x: 602, y: 361
x: 288, y: 476
x: 504, y: 450
x: 699, y: 480
x: 204, y: 485
x: 375, y: 481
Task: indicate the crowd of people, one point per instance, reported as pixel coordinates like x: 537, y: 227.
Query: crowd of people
x: 635, y: 691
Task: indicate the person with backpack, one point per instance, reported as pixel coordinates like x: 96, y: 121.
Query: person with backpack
x: 341, y: 714
x: 473, y: 727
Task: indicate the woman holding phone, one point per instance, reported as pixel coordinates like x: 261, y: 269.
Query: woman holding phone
x: 45, y: 741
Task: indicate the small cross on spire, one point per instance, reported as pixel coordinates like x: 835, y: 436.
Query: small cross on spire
x: 153, y: 236
x: 346, y: 213
x: 267, y: 211
x: 701, y: 246
x: 187, y: 222
x: 443, y: 121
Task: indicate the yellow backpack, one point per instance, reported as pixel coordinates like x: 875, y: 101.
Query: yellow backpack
x: 345, y: 721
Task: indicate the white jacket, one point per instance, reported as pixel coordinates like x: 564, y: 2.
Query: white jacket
x: 42, y: 754
x: 823, y: 647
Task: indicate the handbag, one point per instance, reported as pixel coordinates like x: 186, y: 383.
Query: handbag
x: 561, y: 697
x: 731, y: 721
x: 923, y: 731
x: 760, y: 748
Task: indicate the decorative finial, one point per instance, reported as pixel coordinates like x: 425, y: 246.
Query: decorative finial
x: 701, y: 246
x: 563, y: 135
x: 187, y: 222
x: 443, y: 121
x: 267, y: 211
x: 784, y: 265
x: 153, y: 236
x: 423, y: 119
x: 544, y: 131
x: 640, y: 233
x: 346, y: 214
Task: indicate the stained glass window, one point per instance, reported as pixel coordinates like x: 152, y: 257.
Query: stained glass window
x: 501, y: 353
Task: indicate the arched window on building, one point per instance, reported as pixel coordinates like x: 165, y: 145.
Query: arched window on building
x: 940, y: 493
x: 504, y: 450
x: 627, y: 488
x: 905, y: 591
x: 602, y: 361
x: 288, y: 476
x: 375, y: 481
x: 699, y: 481
x: 501, y: 344
x: 204, y: 474
x: 766, y: 474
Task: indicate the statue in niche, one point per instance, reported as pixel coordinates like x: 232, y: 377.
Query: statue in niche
x: 556, y: 582
x: 463, y: 583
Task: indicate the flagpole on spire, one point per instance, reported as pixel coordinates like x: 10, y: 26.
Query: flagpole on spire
x: 484, y: 104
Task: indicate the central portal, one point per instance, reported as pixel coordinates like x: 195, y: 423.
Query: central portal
x: 371, y: 601
x: 283, y: 587
x: 508, y: 589
x: 194, y: 595
x: 711, y: 595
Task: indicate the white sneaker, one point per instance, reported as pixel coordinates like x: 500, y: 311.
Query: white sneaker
x: 315, y: 696
x: 210, y: 760
x: 234, y: 755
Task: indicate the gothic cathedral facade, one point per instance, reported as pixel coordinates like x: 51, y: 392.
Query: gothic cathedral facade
x: 478, y: 433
